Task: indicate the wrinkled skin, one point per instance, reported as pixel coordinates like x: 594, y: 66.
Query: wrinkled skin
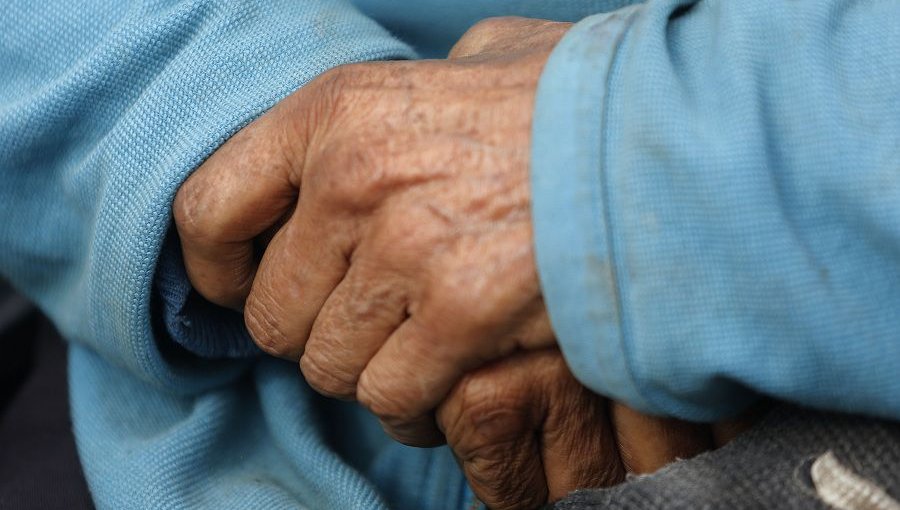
x: 399, y: 270
x: 408, y: 259
x: 526, y: 432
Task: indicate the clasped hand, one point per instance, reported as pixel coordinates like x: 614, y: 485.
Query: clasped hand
x: 392, y: 201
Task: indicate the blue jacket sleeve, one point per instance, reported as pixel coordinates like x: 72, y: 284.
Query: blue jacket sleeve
x: 105, y: 108
x: 717, y: 204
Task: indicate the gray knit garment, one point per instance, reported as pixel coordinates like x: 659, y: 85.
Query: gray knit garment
x: 794, y: 458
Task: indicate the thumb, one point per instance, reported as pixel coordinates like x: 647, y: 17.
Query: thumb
x: 526, y: 432
x: 578, y: 438
x: 490, y: 421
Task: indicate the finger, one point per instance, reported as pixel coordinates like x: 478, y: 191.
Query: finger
x: 417, y: 365
x: 647, y: 443
x: 301, y: 266
x: 491, y: 420
x: 464, y: 325
x: 578, y: 441
x: 423, y: 359
x: 359, y: 315
x: 388, y: 386
x: 507, y: 34
x: 243, y: 189
x: 413, y: 371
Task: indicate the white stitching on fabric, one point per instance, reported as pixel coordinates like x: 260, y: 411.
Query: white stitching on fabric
x: 843, y: 489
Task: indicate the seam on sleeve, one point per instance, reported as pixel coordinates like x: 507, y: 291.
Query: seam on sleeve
x: 572, y: 237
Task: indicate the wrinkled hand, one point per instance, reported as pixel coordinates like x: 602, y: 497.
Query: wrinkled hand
x: 406, y: 262
x: 408, y: 259
x: 526, y: 432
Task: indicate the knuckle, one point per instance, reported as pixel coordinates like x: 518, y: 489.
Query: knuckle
x: 341, y: 75
x: 489, y: 468
x: 480, y: 35
x: 392, y: 407
x: 187, y: 209
x: 487, y: 27
x: 399, y: 239
x: 370, y: 303
x: 403, y: 247
x: 495, y: 411
x: 199, y: 214
x: 338, y: 92
x: 261, y: 319
x: 355, y: 75
x: 325, y: 376
x: 332, y: 82
x: 493, y: 24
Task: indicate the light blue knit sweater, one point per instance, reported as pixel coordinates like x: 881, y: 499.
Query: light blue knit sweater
x: 716, y: 207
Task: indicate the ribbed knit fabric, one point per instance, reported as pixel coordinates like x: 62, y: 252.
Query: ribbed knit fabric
x: 768, y: 467
x: 716, y: 204
x: 190, y: 320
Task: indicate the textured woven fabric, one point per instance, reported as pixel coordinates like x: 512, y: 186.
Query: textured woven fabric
x: 717, y: 204
x: 768, y: 467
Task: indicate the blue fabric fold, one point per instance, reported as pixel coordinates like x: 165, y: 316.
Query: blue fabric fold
x: 716, y: 207
x: 197, y: 325
x: 576, y: 265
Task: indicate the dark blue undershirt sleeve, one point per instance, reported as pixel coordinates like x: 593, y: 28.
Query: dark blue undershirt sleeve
x: 192, y: 322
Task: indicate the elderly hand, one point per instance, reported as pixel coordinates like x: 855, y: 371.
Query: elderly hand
x: 526, y: 432
x: 407, y: 261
